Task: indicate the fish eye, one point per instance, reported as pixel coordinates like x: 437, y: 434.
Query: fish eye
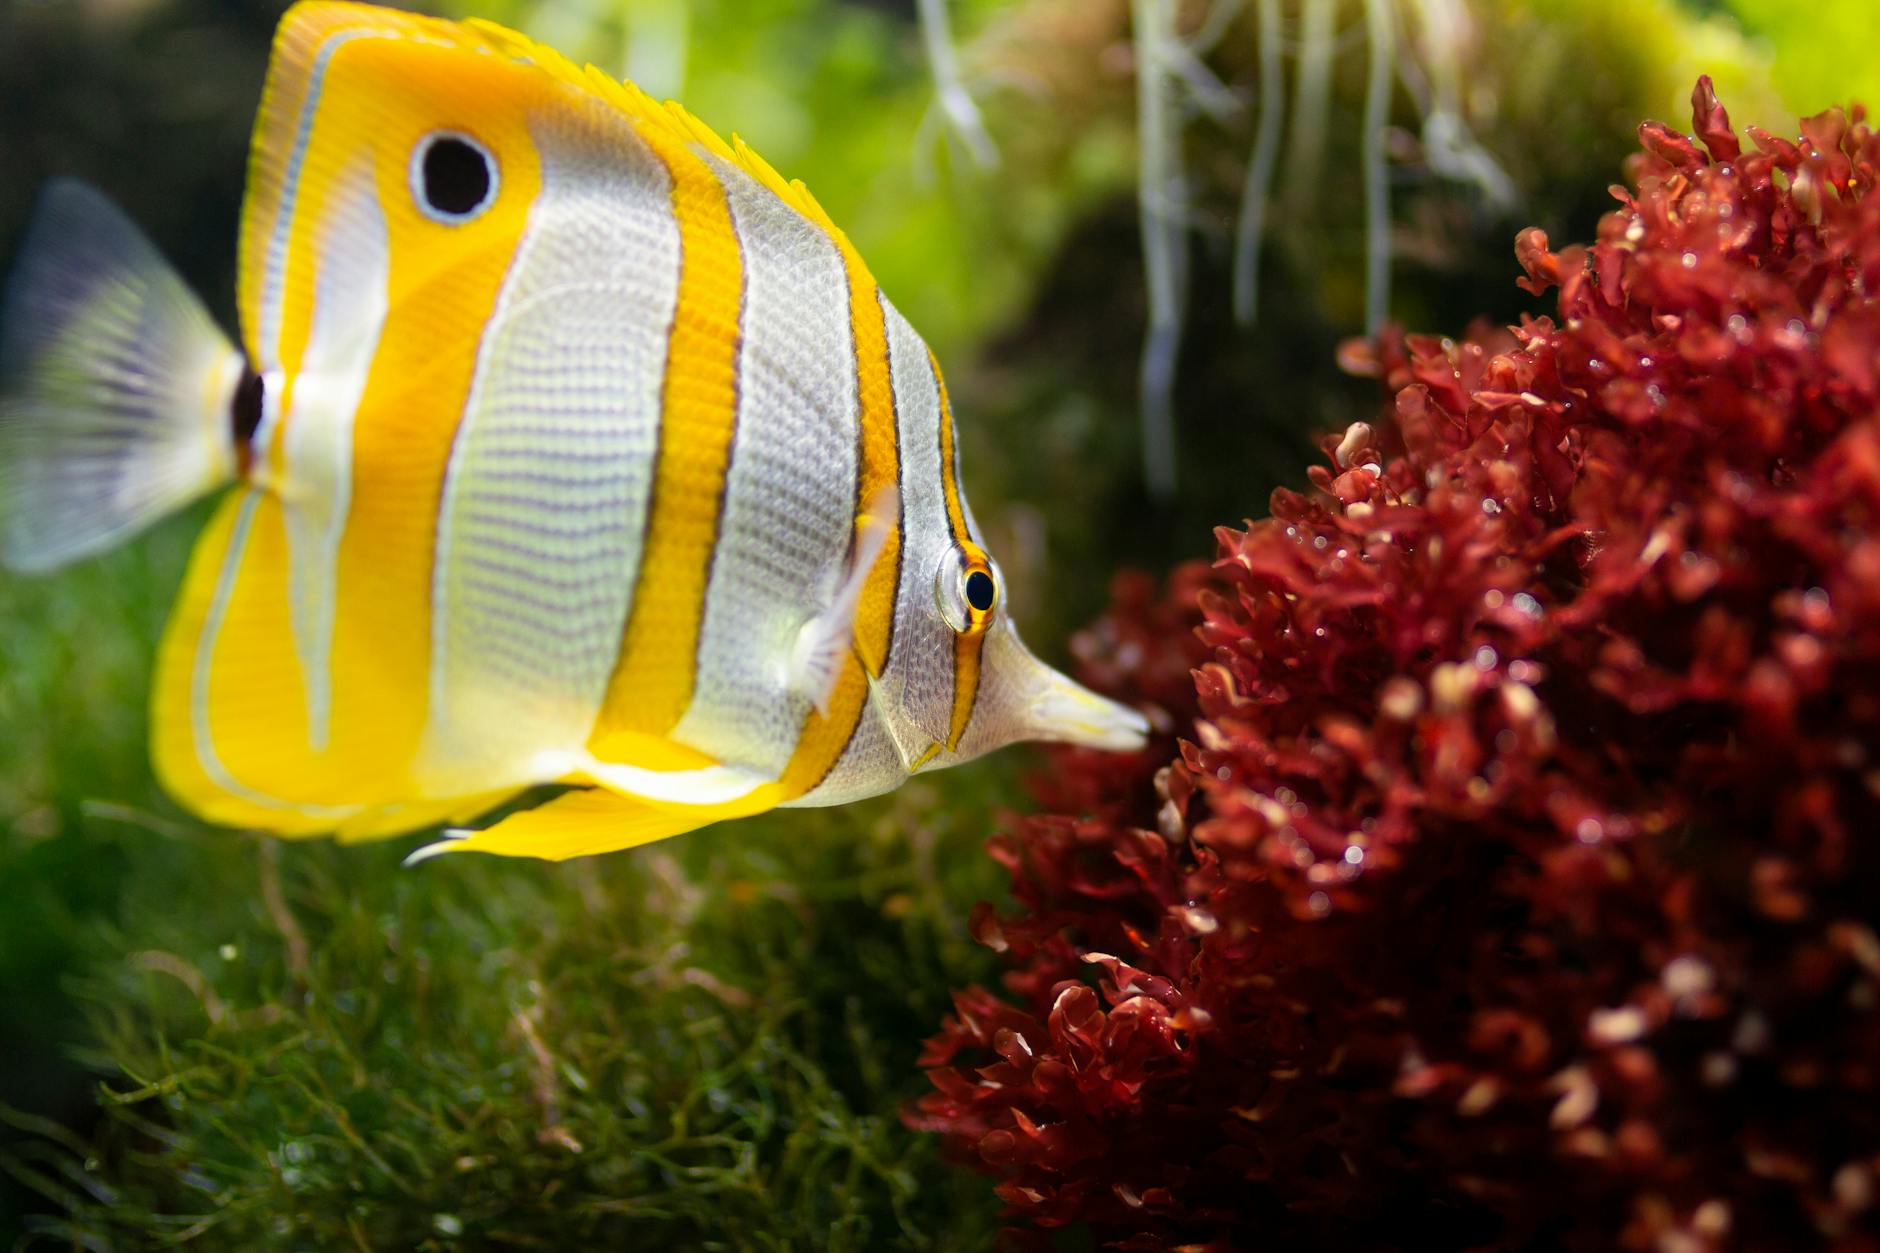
x: 968, y: 590
x: 453, y: 177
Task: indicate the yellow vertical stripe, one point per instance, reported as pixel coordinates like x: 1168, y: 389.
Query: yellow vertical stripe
x: 652, y: 683
x: 949, y: 459
x: 966, y: 651
x: 879, y: 459
x: 966, y: 647
x: 879, y: 466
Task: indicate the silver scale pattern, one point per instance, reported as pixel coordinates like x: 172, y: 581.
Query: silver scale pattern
x: 546, y: 498
x: 789, y: 500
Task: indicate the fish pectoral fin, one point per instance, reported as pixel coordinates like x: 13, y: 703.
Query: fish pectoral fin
x: 574, y: 824
x: 823, y: 643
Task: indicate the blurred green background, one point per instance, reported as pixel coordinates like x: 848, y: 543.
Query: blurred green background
x: 210, y: 1039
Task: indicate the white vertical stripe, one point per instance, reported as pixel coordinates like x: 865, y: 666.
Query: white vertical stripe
x: 920, y: 665
x: 789, y: 498
x: 274, y: 281
x: 545, y: 499
x: 349, y: 309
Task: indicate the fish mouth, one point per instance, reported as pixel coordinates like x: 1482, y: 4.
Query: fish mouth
x: 1069, y: 713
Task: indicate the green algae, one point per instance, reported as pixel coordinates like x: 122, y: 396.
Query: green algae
x: 702, y: 1045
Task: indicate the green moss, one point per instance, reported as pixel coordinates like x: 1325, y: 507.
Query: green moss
x: 74, y: 667
x: 703, y: 1044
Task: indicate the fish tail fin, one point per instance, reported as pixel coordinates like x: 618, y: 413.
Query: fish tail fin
x: 117, y: 390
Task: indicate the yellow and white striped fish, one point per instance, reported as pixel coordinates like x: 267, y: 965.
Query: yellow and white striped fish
x: 570, y: 444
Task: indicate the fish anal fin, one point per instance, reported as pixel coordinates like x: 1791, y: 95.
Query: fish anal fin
x: 576, y: 824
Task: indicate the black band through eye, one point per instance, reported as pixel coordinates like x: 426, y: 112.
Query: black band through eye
x: 455, y: 177
x: 979, y: 590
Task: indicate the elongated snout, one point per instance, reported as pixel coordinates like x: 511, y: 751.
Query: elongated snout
x: 1070, y: 713
x: 1021, y: 698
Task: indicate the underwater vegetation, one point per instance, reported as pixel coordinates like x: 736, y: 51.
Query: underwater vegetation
x: 1505, y: 877
x: 1490, y: 1037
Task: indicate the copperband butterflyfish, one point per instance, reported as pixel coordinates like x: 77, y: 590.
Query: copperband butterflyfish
x: 565, y: 443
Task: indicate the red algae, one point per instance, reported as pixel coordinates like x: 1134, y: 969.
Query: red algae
x: 1504, y: 873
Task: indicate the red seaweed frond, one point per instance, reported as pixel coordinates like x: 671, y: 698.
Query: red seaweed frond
x: 1514, y: 878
